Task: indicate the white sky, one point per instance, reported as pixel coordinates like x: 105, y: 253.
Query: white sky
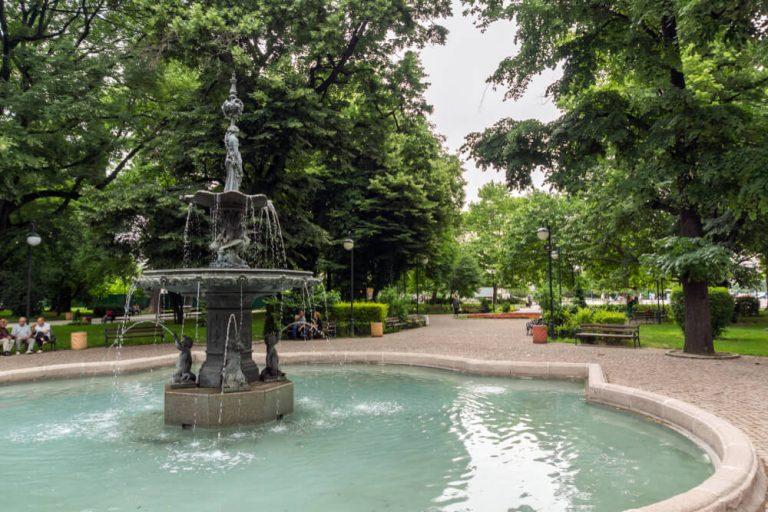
x: 463, y: 101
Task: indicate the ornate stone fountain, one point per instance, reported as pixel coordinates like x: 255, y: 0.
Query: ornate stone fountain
x: 229, y: 389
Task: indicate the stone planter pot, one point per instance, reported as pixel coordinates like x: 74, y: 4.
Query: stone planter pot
x: 377, y: 329
x: 539, y: 333
x: 68, y: 315
x: 79, y: 341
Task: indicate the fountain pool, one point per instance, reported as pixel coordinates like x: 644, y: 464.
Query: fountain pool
x: 361, y: 438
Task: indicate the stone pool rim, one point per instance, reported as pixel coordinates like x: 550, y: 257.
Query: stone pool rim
x: 738, y: 483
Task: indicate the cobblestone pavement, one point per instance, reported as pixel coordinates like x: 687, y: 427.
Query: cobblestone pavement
x: 734, y: 389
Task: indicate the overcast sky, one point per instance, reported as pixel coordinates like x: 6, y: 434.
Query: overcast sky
x: 463, y: 101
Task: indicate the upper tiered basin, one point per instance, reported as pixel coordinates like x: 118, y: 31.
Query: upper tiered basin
x: 254, y: 282
x: 229, y: 199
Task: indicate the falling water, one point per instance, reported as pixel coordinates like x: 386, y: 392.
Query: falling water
x: 199, y: 310
x: 186, y: 254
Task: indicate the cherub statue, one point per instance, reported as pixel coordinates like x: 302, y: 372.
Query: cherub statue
x: 232, y: 374
x: 183, y: 374
x: 272, y: 371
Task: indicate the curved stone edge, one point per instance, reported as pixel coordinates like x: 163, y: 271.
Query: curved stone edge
x: 738, y: 483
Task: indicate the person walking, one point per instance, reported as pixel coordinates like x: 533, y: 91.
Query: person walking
x: 456, y: 303
x: 21, y: 333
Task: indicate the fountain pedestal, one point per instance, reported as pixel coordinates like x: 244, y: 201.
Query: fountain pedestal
x: 210, y: 408
x: 227, y: 309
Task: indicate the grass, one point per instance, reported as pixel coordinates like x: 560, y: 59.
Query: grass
x: 96, y: 333
x: 749, y: 336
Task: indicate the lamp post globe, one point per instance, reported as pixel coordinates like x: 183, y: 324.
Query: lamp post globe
x: 349, y: 244
x: 543, y: 234
x: 555, y: 254
x: 33, y: 239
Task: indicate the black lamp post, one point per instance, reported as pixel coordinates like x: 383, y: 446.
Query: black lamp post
x: 544, y: 234
x: 424, y: 262
x: 349, y: 245
x: 33, y: 240
x: 556, y: 257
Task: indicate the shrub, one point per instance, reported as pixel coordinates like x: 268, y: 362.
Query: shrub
x: 506, y: 307
x: 397, y: 304
x: 602, y: 316
x: 747, y: 305
x: 364, y: 312
x: 721, y: 307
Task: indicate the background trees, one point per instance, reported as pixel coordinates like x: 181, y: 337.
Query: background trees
x: 663, y: 103
x: 110, y: 110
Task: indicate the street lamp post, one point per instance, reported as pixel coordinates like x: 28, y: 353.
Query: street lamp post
x: 424, y: 262
x: 492, y: 272
x: 556, y: 257
x: 33, y: 240
x: 544, y: 234
x: 349, y: 245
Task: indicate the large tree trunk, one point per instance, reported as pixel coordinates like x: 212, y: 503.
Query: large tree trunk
x: 698, y: 324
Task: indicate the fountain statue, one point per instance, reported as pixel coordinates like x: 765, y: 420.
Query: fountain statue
x: 229, y: 285
x: 183, y: 376
x: 271, y: 371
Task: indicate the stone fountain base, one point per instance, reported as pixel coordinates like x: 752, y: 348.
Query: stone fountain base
x: 209, y: 408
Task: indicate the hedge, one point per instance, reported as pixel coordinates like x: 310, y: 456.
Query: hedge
x: 364, y: 312
x: 721, y: 307
x: 747, y: 305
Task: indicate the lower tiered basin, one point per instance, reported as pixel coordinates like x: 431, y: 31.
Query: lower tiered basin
x: 255, y: 282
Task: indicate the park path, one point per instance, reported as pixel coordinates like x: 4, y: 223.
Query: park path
x: 734, y: 389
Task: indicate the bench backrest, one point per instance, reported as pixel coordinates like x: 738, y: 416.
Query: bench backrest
x: 609, y: 327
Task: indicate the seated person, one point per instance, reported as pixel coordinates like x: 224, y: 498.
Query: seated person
x: 317, y: 323
x: 5, y: 337
x: 21, y: 333
x: 42, y: 334
x: 299, y: 324
x: 109, y: 316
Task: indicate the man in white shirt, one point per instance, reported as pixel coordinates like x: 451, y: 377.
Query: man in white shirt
x: 42, y: 333
x: 21, y: 333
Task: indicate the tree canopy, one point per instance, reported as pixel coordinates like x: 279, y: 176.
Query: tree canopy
x: 664, y: 117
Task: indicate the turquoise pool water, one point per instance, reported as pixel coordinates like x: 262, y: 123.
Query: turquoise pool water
x: 361, y: 439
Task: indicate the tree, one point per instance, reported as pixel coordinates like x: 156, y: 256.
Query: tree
x: 73, y: 103
x: 669, y: 98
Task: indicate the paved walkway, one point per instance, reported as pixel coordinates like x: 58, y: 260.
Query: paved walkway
x: 734, y: 389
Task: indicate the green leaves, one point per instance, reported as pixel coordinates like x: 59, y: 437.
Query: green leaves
x: 695, y: 259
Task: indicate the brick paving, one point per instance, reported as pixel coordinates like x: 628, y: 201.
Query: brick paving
x: 734, y: 389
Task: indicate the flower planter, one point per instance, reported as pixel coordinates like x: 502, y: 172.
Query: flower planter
x: 539, y: 333
x: 79, y: 340
x: 377, y: 329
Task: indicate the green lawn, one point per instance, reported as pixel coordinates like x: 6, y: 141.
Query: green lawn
x: 748, y: 337
x: 96, y: 333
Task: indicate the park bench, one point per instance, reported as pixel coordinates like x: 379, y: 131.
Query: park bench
x: 416, y: 321
x: 141, y: 332
x: 393, y: 323
x: 648, y: 316
x: 529, y: 325
x: 51, y: 342
x: 609, y: 332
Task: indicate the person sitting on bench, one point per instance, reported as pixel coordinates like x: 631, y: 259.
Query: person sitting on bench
x: 42, y: 334
x: 21, y: 333
x: 5, y: 337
